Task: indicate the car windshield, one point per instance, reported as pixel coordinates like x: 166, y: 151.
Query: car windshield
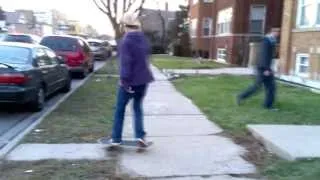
x: 14, y: 55
x: 18, y: 38
x: 94, y: 44
x: 60, y: 43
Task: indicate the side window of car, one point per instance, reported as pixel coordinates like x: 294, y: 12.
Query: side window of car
x: 41, y: 58
x: 52, y: 57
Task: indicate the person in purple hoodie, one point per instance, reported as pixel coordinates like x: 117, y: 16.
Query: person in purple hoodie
x: 135, y: 75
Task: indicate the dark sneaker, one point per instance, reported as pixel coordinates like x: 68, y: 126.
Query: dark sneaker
x: 238, y: 101
x: 142, y: 143
x: 107, y: 140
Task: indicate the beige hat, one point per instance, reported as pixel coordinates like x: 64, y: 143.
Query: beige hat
x: 130, y: 19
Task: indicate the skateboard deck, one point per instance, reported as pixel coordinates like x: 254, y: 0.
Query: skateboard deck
x: 124, y: 143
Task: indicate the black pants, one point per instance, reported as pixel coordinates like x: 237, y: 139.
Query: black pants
x: 269, y: 85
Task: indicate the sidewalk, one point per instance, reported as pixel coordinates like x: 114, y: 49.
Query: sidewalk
x: 185, y: 141
x: 230, y: 71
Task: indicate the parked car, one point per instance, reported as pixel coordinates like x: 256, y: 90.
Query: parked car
x: 75, y: 50
x: 101, y: 49
x: 113, y: 44
x: 23, y: 38
x: 30, y: 73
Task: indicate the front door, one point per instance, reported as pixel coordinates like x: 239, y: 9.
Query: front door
x: 46, y: 70
x: 59, y: 76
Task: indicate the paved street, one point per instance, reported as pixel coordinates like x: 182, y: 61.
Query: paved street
x: 14, y: 119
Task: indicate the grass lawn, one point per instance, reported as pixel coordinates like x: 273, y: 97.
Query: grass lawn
x: 58, y: 170
x: 215, y: 97
x: 111, y: 67
x: 171, y: 62
x: 83, y: 118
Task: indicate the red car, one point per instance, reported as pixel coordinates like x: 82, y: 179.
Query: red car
x: 75, y: 50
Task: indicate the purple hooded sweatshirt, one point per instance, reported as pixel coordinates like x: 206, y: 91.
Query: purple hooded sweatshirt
x: 134, y: 60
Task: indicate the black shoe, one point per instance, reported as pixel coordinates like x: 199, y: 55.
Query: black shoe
x: 238, y: 101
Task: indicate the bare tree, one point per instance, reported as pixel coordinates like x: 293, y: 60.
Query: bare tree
x: 114, y: 9
x: 163, y: 28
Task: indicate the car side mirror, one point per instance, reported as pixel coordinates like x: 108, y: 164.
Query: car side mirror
x: 61, y: 60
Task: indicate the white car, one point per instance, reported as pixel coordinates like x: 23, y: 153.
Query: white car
x: 100, y: 49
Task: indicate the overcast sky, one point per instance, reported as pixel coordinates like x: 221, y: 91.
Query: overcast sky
x: 83, y: 10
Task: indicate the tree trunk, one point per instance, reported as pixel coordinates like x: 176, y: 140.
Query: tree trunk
x: 117, y: 33
x: 163, y: 28
x: 163, y: 39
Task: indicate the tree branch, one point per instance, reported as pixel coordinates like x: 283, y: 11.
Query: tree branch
x: 124, y: 6
x: 140, y: 7
x: 100, y: 8
x: 131, y: 2
x: 107, y: 7
x: 115, y: 8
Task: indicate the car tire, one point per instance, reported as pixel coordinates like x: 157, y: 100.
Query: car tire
x: 67, y: 87
x: 38, y: 103
x: 91, y: 69
x: 84, y: 74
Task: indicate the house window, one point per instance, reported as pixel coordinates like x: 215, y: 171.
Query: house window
x: 257, y: 19
x: 302, y: 65
x: 222, y: 55
x: 308, y: 13
x: 208, y: 1
x: 224, y: 21
x: 193, y: 28
x: 206, y: 26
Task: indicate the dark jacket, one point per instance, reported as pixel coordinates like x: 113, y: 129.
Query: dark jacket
x: 134, y: 63
x: 267, y: 53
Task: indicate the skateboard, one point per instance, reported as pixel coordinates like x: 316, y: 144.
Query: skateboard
x: 125, y: 143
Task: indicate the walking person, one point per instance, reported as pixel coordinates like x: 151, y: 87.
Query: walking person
x: 135, y: 75
x: 265, y: 75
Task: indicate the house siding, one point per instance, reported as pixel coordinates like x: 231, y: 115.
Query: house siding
x: 237, y: 42
x: 306, y: 43
x: 295, y: 41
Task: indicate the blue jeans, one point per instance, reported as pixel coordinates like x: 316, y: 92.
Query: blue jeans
x: 123, y: 98
x: 269, y: 85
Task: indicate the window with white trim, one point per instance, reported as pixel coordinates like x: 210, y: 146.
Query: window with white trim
x: 193, y: 27
x: 302, y: 65
x: 308, y: 13
x: 208, y: 1
x: 224, y: 21
x: 222, y: 54
x: 257, y: 19
x: 206, y: 26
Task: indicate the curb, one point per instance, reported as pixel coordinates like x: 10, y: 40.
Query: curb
x: 13, y: 143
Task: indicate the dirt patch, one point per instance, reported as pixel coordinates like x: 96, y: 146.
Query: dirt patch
x: 256, y: 152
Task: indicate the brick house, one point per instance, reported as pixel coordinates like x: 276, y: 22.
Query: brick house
x: 300, y: 46
x: 223, y: 29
